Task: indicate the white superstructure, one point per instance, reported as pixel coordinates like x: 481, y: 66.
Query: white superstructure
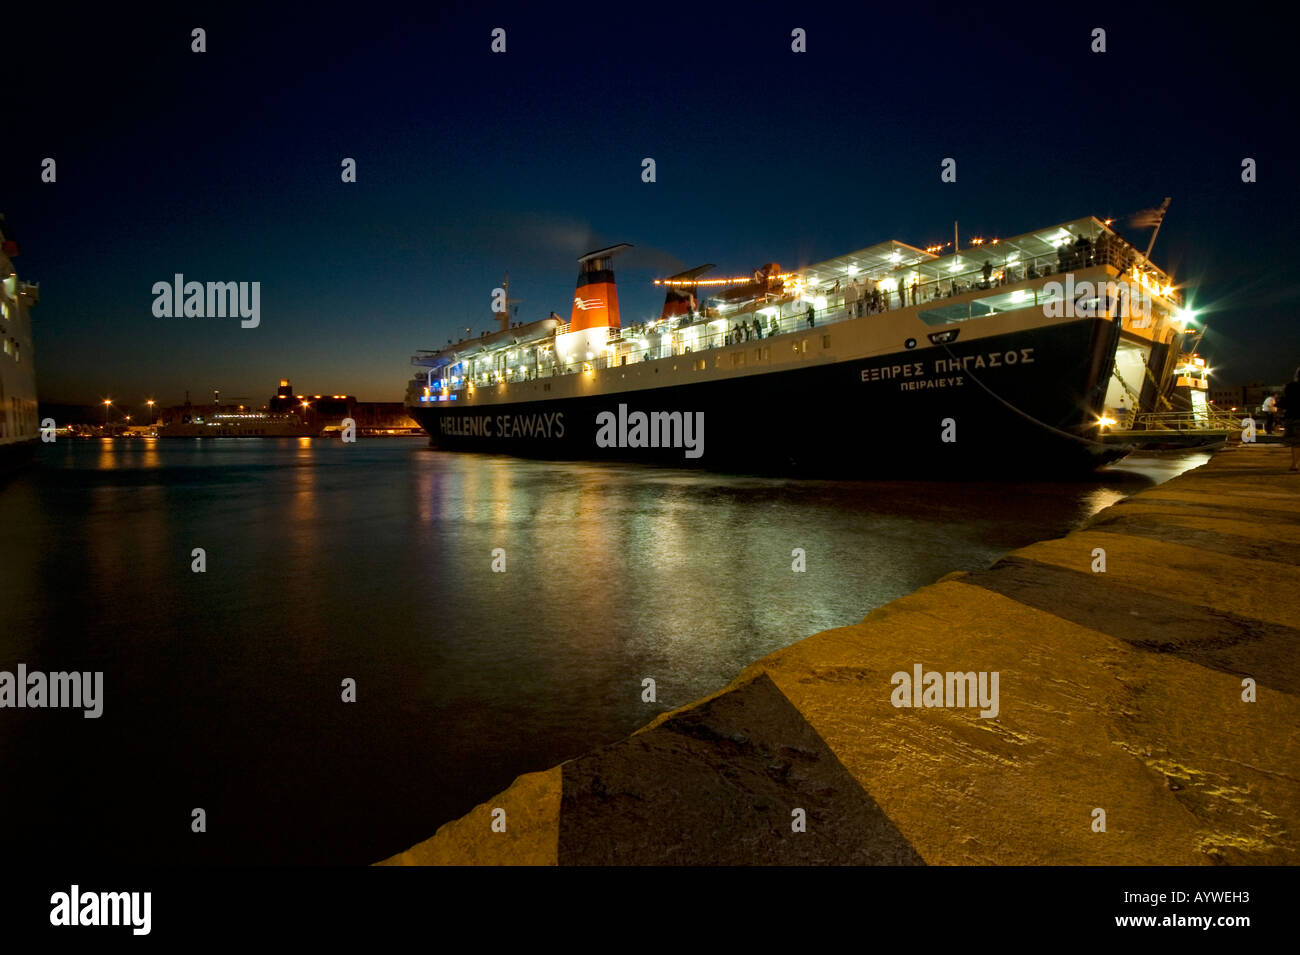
x: 18, y: 417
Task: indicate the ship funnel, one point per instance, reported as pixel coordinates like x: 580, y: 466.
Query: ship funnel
x: 682, y: 296
x: 595, y: 300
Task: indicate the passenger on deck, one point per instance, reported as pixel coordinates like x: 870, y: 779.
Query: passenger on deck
x: 1102, y: 248
x: 1083, y: 252
x: 811, y: 313
x: 853, y: 297
x: 758, y: 329
x: 1063, y: 256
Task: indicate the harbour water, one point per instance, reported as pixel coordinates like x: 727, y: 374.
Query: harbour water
x: 374, y: 562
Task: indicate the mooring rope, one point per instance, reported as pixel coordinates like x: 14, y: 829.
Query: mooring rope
x: 1028, y: 417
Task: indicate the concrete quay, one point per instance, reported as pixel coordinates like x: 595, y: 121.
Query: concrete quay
x: 1125, y: 691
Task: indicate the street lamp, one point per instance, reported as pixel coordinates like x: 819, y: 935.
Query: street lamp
x: 107, y: 403
x: 150, y: 403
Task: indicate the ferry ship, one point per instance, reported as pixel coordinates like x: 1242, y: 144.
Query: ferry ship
x: 283, y: 417
x: 18, y: 414
x: 239, y: 424
x: 1011, y: 355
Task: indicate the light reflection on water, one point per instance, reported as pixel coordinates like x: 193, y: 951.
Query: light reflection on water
x: 373, y: 561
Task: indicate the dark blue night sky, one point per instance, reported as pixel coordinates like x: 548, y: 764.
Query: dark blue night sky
x: 225, y: 166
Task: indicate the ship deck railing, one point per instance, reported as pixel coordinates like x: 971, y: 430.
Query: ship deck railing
x: 1182, y: 421
x: 1112, y: 251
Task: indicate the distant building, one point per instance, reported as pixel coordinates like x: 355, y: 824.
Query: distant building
x: 322, y: 413
x: 374, y: 416
x: 1227, y: 398
x: 328, y: 411
x: 1245, y: 398
x: 326, y: 408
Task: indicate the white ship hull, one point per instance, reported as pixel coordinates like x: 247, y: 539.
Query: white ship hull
x: 19, y: 424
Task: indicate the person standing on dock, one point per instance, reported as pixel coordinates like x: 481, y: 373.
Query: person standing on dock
x: 1269, y: 410
x: 1291, y: 418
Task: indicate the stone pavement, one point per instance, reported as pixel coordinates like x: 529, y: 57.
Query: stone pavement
x: 1119, y: 691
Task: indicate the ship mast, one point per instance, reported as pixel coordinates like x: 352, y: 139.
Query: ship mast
x: 1160, y: 220
x: 503, y: 316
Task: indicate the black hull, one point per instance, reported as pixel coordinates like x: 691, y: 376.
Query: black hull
x: 1023, y: 403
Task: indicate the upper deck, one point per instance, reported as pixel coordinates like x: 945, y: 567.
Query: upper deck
x: 986, y: 278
